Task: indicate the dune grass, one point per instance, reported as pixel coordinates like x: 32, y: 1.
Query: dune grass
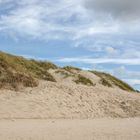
x: 15, y: 70
x: 71, y: 69
x: 110, y: 81
x: 83, y: 80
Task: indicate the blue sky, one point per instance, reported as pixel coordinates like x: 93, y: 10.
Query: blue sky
x: 90, y: 34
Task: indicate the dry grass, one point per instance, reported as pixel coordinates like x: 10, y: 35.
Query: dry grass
x: 83, y: 80
x: 15, y: 80
x: 71, y: 69
x: 109, y: 80
x: 15, y: 71
x: 105, y: 82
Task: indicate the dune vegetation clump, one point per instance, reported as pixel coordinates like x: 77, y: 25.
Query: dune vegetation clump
x: 71, y: 69
x: 105, y: 82
x: 15, y: 71
x: 110, y: 81
x: 44, y: 64
x: 83, y: 80
x: 15, y: 80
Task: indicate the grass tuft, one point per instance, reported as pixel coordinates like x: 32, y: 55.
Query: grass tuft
x: 70, y: 69
x: 105, y: 82
x: 83, y: 80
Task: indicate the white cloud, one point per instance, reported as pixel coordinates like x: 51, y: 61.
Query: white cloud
x: 71, y: 21
x: 100, y: 61
x: 41, y: 19
x: 22, y: 21
x: 123, y: 72
x: 133, y: 82
x: 111, y: 51
x: 4, y: 1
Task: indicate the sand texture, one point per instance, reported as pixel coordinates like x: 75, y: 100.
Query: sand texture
x: 68, y: 101
x: 64, y: 110
x: 97, y: 129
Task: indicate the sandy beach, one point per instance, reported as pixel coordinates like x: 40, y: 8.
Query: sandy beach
x: 65, y: 110
x: 58, y: 111
x: 95, y: 129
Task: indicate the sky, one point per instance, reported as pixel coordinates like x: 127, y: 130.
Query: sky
x: 101, y: 35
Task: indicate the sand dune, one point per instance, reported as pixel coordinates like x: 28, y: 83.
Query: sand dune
x: 66, y: 111
x: 68, y: 101
x: 68, y: 93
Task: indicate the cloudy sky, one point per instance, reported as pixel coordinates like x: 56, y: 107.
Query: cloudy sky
x: 90, y: 34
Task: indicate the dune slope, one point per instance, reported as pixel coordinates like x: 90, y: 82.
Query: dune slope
x: 46, y: 91
x: 58, y: 100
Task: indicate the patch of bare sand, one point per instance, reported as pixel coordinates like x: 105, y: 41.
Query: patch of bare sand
x: 68, y: 101
x: 96, y: 129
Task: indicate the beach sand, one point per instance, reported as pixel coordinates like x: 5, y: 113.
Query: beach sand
x: 65, y: 111
x: 95, y: 129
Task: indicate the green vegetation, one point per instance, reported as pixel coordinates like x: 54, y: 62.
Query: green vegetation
x: 70, y: 69
x: 15, y: 70
x: 13, y: 81
x: 109, y: 80
x: 44, y: 64
x: 83, y: 80
x: 105, y: 82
